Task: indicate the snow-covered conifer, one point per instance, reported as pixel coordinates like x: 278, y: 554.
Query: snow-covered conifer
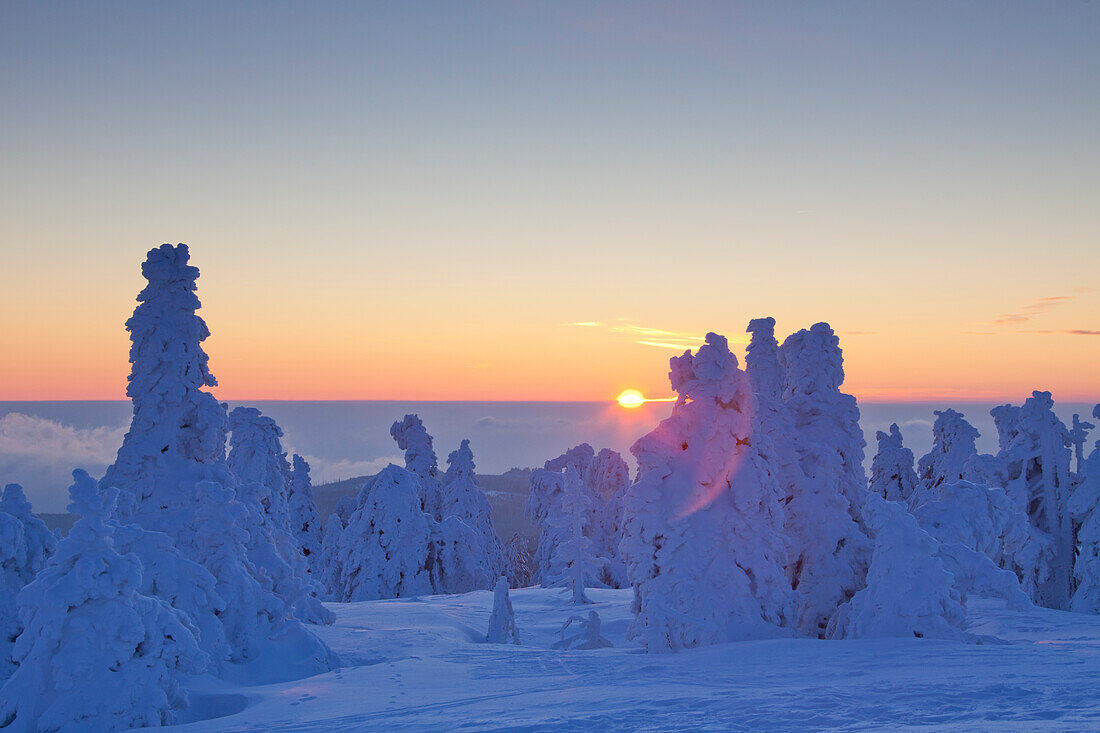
x: 829, y: 549
x: 1085, y: 508
x: 384, y: 550
x: 1078, y: 434
x: 608, y: 478
x: 25, y: 546
x: 953, y: 447
x: 305, y: 523
x: 544, y: 502
x: 502, y: 622
x: 256, y: 455
x: 177, y: 434
x: 1034, y: 464
x: 463, y: 498
x: 574, y: 563
x: 40, y: 541
x: 762, y: 362
x: 909, y: 592
x: 703, y: 524
x: 95, y: 653
x: 519, y: 561
x: 455, y: 557
x: 330, y: 577
x: 413, y: 438
x: 892, y: 474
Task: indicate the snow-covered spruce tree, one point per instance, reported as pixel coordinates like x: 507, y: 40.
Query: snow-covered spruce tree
x: 703, y: 524
x: 502, y: 622
x: 25, y: 546
x: 384, y: 550
x: 519, y: 561
x: 762, y: 362
x: 892, y: 474
x: 331, y: 578
x: 1085, y: 508
x: 604, y: 478
x: 177, y: 434
x: 608, y: 478
x: 544, y: 502
x: 1034, y: 461
x: 304, y: 522
x: 463, y: 498
x: 95, y: 653
x: 258, y: 461
x: 953, y: 447
x: 574, y: 563
x: 454, y: 557
x: 909, y: 592
x: 413, y: 438
x: 829, y: 549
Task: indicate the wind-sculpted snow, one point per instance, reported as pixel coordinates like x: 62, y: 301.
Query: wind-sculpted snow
x: 95, y: 653
x: 892, y: 474
x: 703, y: 528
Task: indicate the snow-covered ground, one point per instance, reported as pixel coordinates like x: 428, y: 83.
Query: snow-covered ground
x: 421, y: 665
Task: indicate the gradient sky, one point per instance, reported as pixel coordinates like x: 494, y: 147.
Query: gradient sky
x: 413, y: 200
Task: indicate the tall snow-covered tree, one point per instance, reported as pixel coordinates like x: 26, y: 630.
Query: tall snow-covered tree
x: 177, y: 434
x: 703, y: 524
x: 909, y: 593
x: 413, y: 438
x: 892, y: 474
x: 305, y: 523
x: 608, y: 478
x: 544, y: 502
x: 1085, y: 508
x: 762, y: 363
x: 574, y: 563
x: 1034, y: 462
x: 953, y: 448
x: 463, y: 498
x: 256, y: 455
x: 40, y: 540
x: 1078, y: 434
x: 502, y: 622
x: 95, y: 653
x: 830, y: 551
x: 331, y: 578
x: 384, y: 550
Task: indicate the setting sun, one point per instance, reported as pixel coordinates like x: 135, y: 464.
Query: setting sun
x: 631, y: 398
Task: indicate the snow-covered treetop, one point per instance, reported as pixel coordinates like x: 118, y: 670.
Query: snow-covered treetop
x: 164, y: 326
x: 412, y: 438
x: 14, y: 501
x: 711, y: 372
x: 953, y: 445
x: 578, y: 457
x: 892, y: 475
x: 762, y: 359
x: 257, y: 453
x: 300, y: 470
x: 813, y: 362
x: 460, y: 464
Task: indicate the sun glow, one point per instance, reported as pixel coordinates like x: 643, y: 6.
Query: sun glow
x: 631, y: 398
